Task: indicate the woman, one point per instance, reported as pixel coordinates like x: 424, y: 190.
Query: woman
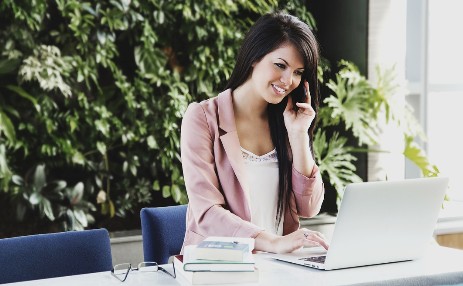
x: 246, y: 154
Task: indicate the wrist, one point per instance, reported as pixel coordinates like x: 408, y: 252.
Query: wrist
x: 278, y: 245
x: 298, y: 135
x: 299, y: 141
x: 265, y: 241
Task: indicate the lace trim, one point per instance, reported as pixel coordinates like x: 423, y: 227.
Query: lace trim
x: 251, y: 157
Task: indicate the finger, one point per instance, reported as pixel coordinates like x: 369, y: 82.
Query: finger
x: 316, y: 237
x: 306, y: 109
x: 303, y: 105
x: 316, y: 241
x: 309, y: 243
x: 309, y: 98
x: 309, y: 240
x: 319, y: 234
x: 319, y: 241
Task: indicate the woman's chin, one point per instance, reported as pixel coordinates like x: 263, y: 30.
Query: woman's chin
x: 276, y: 99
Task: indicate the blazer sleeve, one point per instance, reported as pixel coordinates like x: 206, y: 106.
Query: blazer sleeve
x: 206, y: 200
x: 308, y: 191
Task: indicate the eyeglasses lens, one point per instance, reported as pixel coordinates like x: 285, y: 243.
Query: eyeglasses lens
x: 121, y: 269
x: 148, y: 267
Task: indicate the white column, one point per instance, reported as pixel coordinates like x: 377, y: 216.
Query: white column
x: 387, y: 48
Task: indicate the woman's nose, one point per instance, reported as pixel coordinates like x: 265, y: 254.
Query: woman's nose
x: 287, y: 78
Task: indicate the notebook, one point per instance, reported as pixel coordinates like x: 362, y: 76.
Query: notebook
x: 379, y: 222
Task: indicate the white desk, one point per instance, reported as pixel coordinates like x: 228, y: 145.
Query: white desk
x: 440, y: 266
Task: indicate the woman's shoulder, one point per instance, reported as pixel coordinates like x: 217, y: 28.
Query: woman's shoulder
x: 210, y: 106
x: 203, y: 107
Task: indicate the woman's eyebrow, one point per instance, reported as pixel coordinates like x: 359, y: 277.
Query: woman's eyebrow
x: 289, y: 64
x: 284, y: 60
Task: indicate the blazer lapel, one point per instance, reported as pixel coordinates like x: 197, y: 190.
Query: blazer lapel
x: 230, y: 141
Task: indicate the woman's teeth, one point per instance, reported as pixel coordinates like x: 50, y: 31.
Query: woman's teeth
x: 279, y: 89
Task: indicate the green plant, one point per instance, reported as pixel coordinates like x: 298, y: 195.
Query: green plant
x: 95, y: 91
x: 357, y: 106
x: 53, y: 200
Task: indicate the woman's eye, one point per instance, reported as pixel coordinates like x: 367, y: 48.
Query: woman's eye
x: 298, y: 73
x: 281, y: 66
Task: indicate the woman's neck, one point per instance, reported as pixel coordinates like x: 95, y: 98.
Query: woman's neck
x: 247, y: 104
x: 251, y: 120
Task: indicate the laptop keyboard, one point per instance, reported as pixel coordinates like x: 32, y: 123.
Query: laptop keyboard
x: 317, y: 259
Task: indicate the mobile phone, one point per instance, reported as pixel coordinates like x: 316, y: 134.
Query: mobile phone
x: 299, y: 94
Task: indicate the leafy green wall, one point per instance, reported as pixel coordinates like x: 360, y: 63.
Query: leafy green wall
x: 92, y: 95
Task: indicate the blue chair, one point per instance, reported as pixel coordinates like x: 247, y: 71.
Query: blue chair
x: 163, y: 231
x: 54, y: 254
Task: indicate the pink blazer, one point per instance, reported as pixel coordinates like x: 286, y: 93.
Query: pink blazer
x: 213, y: 168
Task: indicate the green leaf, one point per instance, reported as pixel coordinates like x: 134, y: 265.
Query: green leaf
x: 24, y: 94
x: 156, y: 186
x: 71, y: 219
x: 166, y: 191
x: 416, y: 154
x: 47, y: 209
x: 112, y: 209
x: 91, y: 207
x: 47, y: 67
x: 105, y: 208
x: 39, y: 177
x: 6, y: 127
x: 17, y: 180
x: 352, y: 103
x: 152, y: 144
x: 5, y: 172
x: 90, y: 219
x: 133, y: 169
x: 81, y: 217
x: 101, y: 148
x: 176, y: 193
x: 35, y: 198
x: 159, y: 16
x: 8, y: 66
x: 78, y: 158
x: 77, y: 193
x: 335, y: 160
x: 102, y: 126
x: 150, y: 61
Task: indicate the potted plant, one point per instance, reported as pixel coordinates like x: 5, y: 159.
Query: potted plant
x: 356, y: 108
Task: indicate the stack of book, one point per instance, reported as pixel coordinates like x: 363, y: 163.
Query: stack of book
x: 218, y: 260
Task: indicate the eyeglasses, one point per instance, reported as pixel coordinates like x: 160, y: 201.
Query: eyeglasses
x: 121, y: 271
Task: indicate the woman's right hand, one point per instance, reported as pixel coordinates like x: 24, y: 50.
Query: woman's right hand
x: 302, y: 237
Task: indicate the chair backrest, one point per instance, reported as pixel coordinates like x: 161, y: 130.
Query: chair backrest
x: 54, y: 254
x: 163, y: 231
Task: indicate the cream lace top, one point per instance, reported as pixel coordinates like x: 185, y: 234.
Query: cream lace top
x: 262, y: 178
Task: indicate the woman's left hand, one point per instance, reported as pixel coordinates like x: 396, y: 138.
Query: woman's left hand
x: 300, y: 120
x: 302, y: 237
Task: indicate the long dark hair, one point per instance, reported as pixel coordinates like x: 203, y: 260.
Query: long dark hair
x: 269, y: 33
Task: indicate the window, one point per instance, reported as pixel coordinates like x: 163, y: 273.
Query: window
x: 445, y: 90
x: 421, y: 38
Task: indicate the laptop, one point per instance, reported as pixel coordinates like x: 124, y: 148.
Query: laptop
x: 379, y: 222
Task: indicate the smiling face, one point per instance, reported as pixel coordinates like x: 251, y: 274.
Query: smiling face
x: 277, y: 73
